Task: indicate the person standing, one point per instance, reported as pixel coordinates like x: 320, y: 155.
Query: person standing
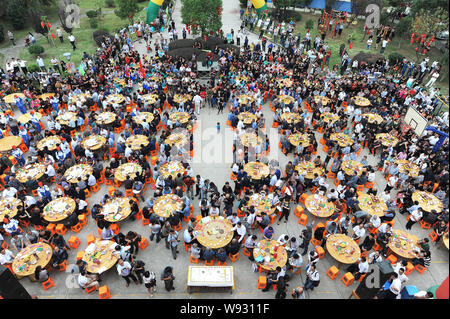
x: 59, y: 34
x: 11, y: 37
x: 40, y: 63
x: 173, y: 242
x: 124, y: 270
x: 55, y: 64
x: 23, y: 65
x: 72, y: 41
x: 168, y: 278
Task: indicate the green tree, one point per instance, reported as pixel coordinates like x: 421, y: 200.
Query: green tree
x: 16, y: 11
x: 2, y: 33
x: 403, y: 29
x: 430, y: 22
x: 428, y: 5
x: 203, y: 13
x: 126, y: 9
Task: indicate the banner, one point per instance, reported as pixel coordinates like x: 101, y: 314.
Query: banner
x: 260, y: 6
x: 153, y: 10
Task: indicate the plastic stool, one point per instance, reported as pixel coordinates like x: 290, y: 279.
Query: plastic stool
x: 48, y: 284
x: 74, y: 242
x: 104, y: 292
x: 262, y: 282
x: 333, y: 272
x: 193, y: 260
x: 348, y: 279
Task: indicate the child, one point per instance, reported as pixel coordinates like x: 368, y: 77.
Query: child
x: 150, y: 282
x: 218, y: 127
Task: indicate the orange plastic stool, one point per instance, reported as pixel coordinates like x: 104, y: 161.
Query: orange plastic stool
x: 90, y: 239
x: 145, y: 221
x: 95, y: 188
x: 209, y: 263
x: 409, y: 268
x: 193, y: 260
x: 63, y: 266
x: 333, y: 272
x: 89, y: 289
x: 219, y: 263
x: 246, y: 252
x: 143, y: 243
x: 348, y: 279
x: 303, y: 219
x: 320, y: 252
x: 303, y: 198
x: 392, y: 259
x: 48, y: 284
x: 299, y: 211
x: 74, y: 242
x: 234, y: 257
x: 111, y: 190
x: 421, y: 269
x: 61, y: 229
x: 262, y: 282
x: 104, y: 292
x: 51, y: 227
x: 78, y: 227
x: 80, y: 255
x: 115, y: 228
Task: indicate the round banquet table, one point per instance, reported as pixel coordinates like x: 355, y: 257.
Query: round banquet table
x: 80, y: 97
x: 286, y: 99
x: 31, y: 172
x: 30, y: 257
x: 45, y: 96
x: 93, y: 142
x: 373, y: 118
x: 10, y: 97
x: 100, y: 256
x: 172, y: 168
x: 360, y: 101
x: 247, y: 117
x: 371, y: 204
x: 79, y: 170
x: 116, y: 209
x: 166, y: 205
x: 299, y: 138
x: 323, y: 99
x: 309, y: 169
x: 427, y: 201
x: 8, y: 206
x: 59, y: 209
x: 273, y: 254
x: 245, y: 99
x: 343, y: 139
x: 135, y: 141
x: 150, y: 98
x: 290, y: 117
x: 285, y: 82
x: 115, y: 98
x: 50, y: 142
x: 7, y: 143
x: 329, y: 117
x: 25, y: 118
x: 351, y: 167
x: 409, y: 167
x: 178, y: 98
x: 177, y: 139
x: 319, y: 205
x: 386, y: 139
x: 403, y: 244
x: 182, y: 117
x: 143, y: 116
x: 445, y: 239
x: 214, y: 232
x: 250, y: 139
x: 242, y: 78
x: 342, y: 248
x: 127, y: 169
x: 105, y: 118
x: 261, y: 204
x: 65, y: 118
x: 256, y: 170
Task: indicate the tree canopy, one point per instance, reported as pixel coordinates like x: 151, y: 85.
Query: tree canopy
x: 203, y: 13
x: 126, y: 9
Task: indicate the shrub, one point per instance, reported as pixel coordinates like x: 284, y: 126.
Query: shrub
x: 33, y: 68
x: 93, y: 23
x: 98, y: 36
x: 309, y: 24
x: 110, y: 3
x: 92, y: 14
x: 36, y: 49
x: 395, y: 58
x: 2, y: 33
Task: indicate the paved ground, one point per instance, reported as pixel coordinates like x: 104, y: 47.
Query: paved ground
x: 156, y: 256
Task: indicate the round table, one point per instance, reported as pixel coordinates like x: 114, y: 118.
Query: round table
x: 329, y: 117
x: 343, y: 139
x: 371, y: 204
x: 115, y: 98
x: 256, y: 170
x: 342, y: 248
x: 299, y: 138
x: 242, y: 78
x: 323, y: 99
x: 285, y: 82
x: 250, y: 139
x: 177, y: 139
x: 100, y: 256
x: 25, y: 118
x: 150, y: 98
x: 7, y: 143
x: 360, y: 101
x: 245, y: 99
x: 247, y: 117
x: 445, y: 239
x: 403, y: 244
x: 93, y: 142
x: 66, y: 117
x: 127, y: 169
x: 46, y: 96
x: 182, y: 117
x: 309, y: 169
x: 409, y: 167
x: 214, y: 232
x: 373, y: 118
x: 351, y: 167
x: 261, y: 204
x: 178, y: 98
x: 8, y: 206
x: 290, y: 117
x: 319, y: 205
x: 286, y: 99
x: 116, y: 209
x: 30, y: 257
x: 80, y: 170
x: 142, y: 117
x: 31, y: 172
x: 51, y: 142
x: 427, y: 201
x: 80, y: 97
x: 105, y: 118
x: 166, y: 205
x: 10, y: 97
x: 135, y: 141
x: 172, y: 168
x: 272, y: 253
x: 59, y: 209
x: 387, y: 139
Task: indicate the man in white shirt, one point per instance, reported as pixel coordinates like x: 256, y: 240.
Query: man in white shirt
x: 85, y: 280
x: 72, y: 41
x: 6, y: 256
x: 240, y: 231
x: 415, y: 216
x: 358, y: 232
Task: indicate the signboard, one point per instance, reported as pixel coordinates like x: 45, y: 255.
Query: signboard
x: 415, y: 120
x: 203, y: 276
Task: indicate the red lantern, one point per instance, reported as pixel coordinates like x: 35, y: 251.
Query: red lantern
x: 351, y: 45
x: 417, y: 49
x: 49, y: 25
x: 42, y: 24
x: 53, y: 36
x: 220, y: 9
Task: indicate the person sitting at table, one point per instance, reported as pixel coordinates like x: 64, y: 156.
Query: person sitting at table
x: 107, y: 233
x: 31, y: 236
x: 294, y: 262
x: 58, y: 240
x: 11, y: 226
x: 368, y: 243
x: 374, y: 257
x: 86, y: 280
x: 373, y: 223
x: 233, y: 247
x: 388, y: 216
x: 40, y: 274
x: 268, y: 232
x: 18, y: 242
x: 195, y: 251
x: 344, y: 225
x: 273, y: 277
x: 221, y: 255
x: 358, y: 232
x: 59, y: 256
x: 320, y: 236
x: 416, y: 215
x: 440, y: 229
x: 423, y: 259
x: 239, y: 231
x: 360, y: 268
x: 207, y: 254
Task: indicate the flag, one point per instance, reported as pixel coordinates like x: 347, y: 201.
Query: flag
x: 81, y: 69
x: 141, y: 69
